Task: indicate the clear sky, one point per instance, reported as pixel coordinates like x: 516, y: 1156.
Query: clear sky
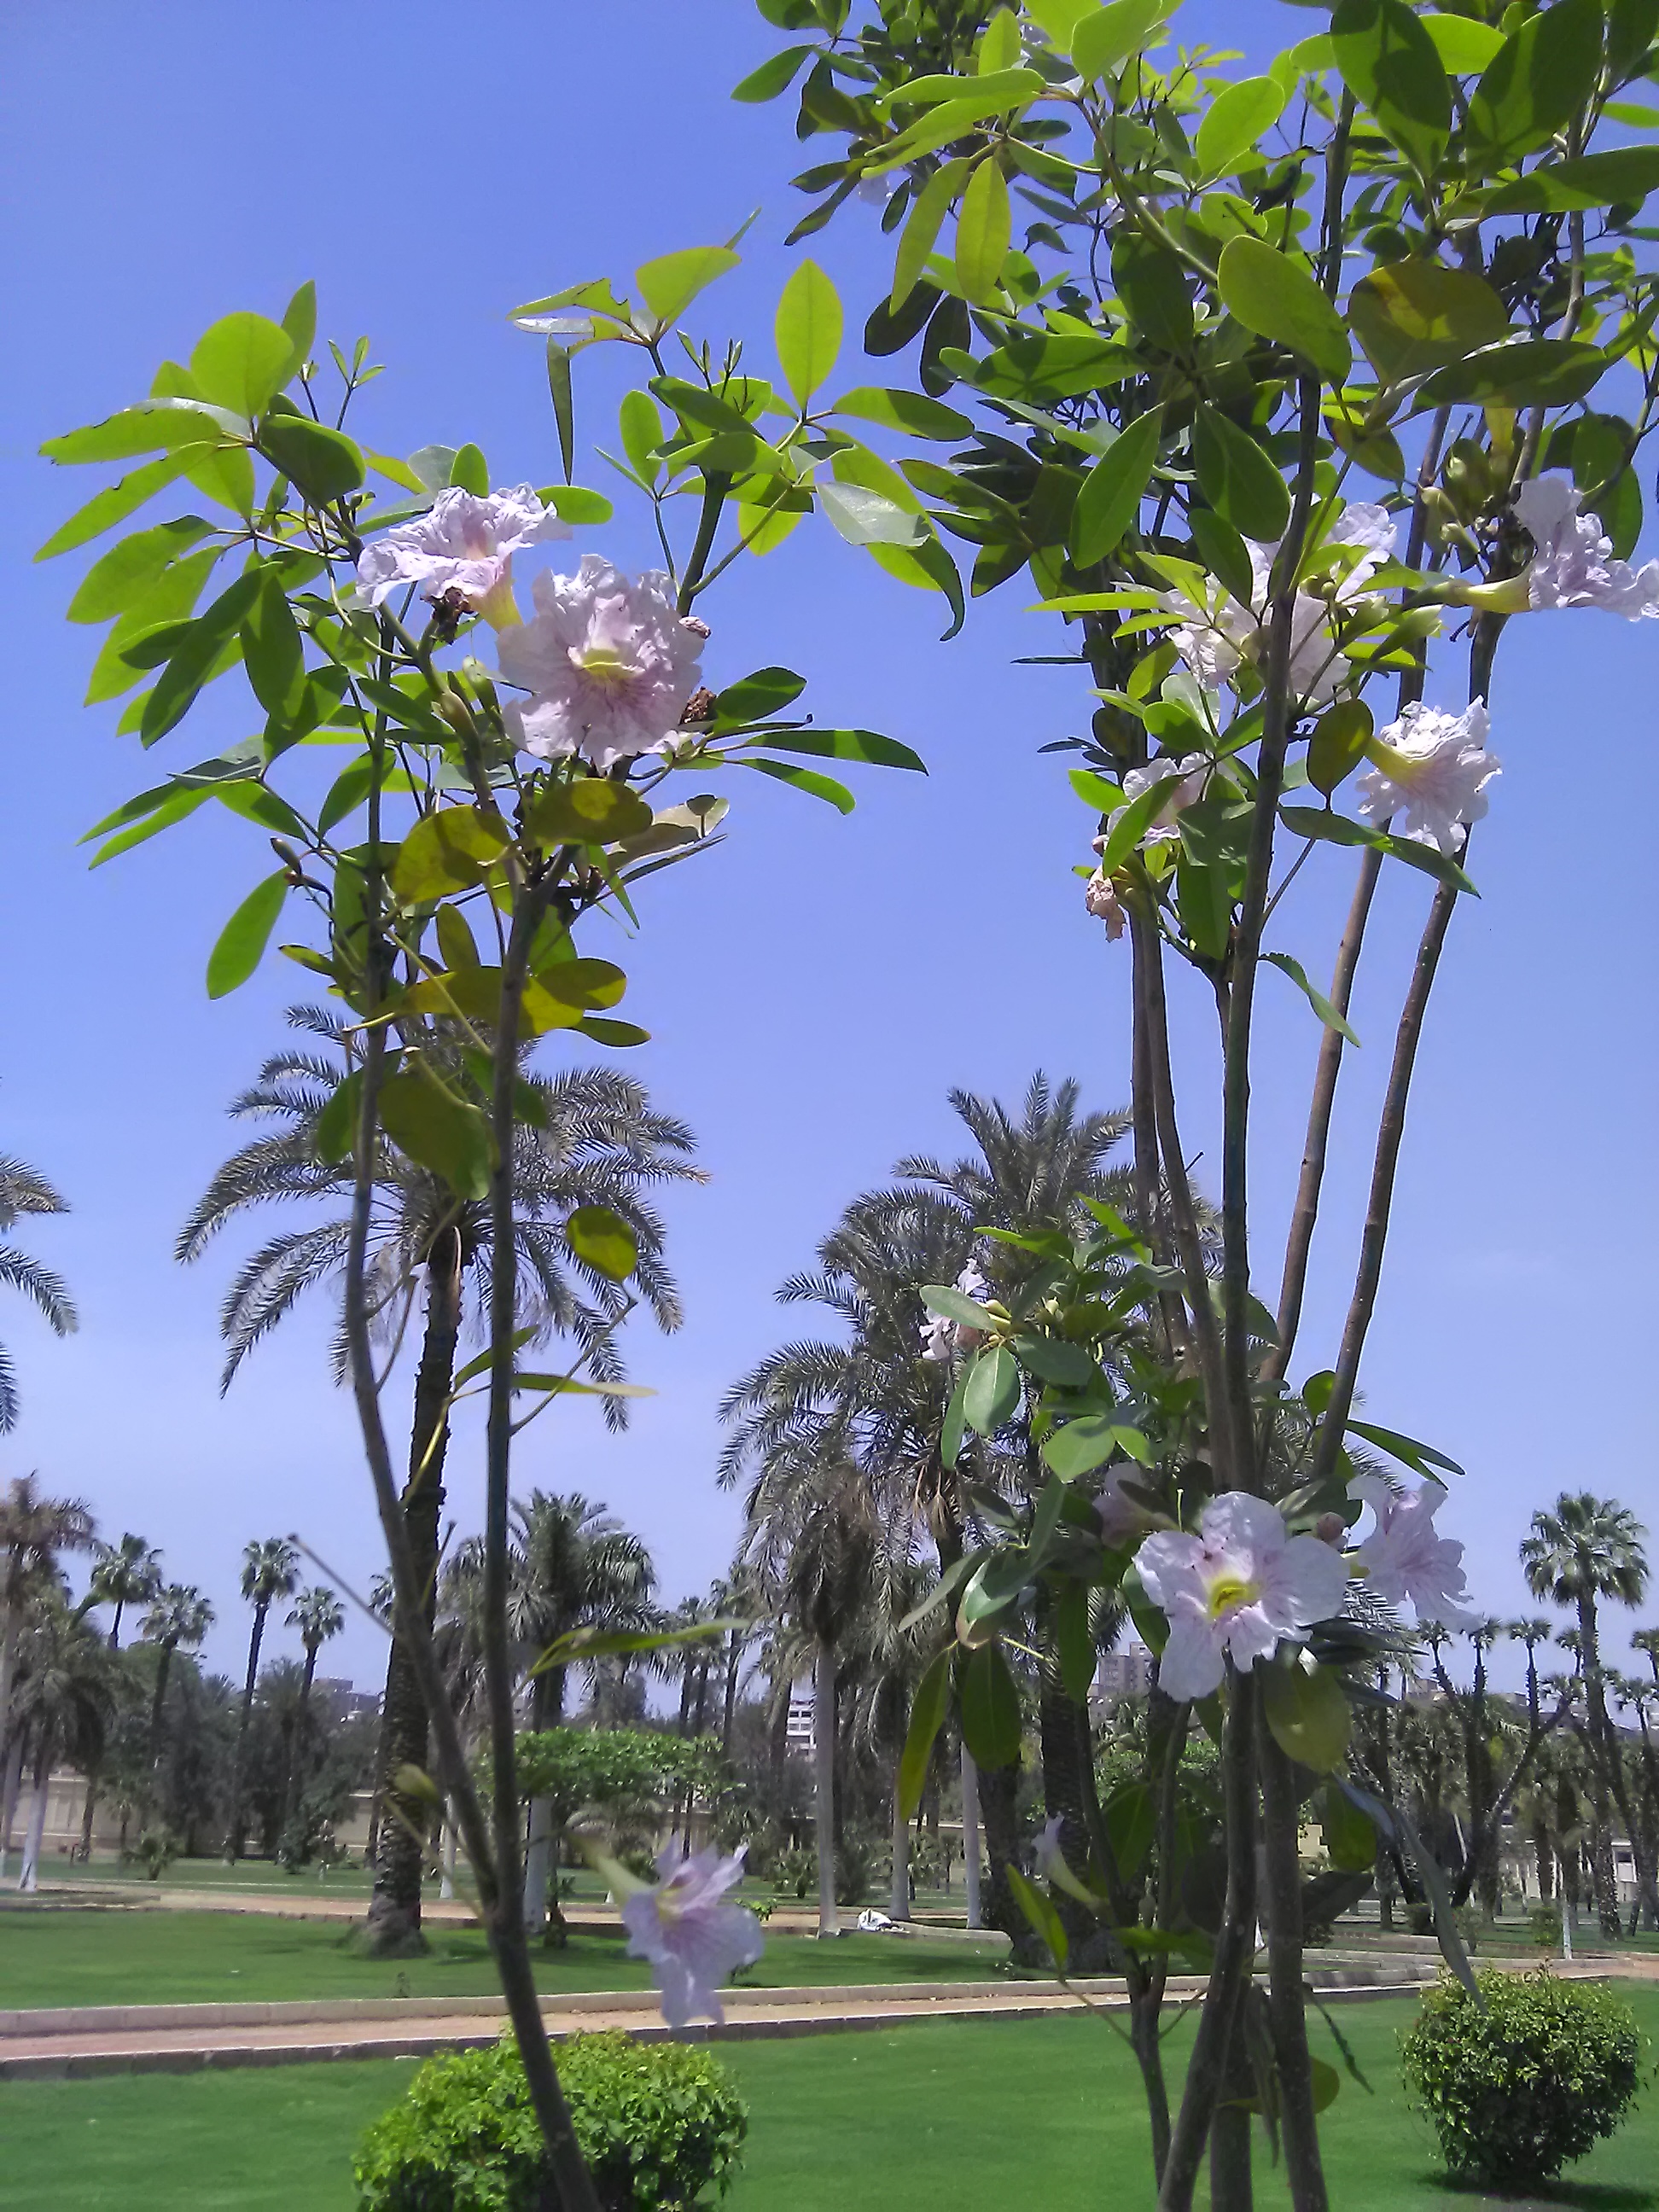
x: 815, y: 987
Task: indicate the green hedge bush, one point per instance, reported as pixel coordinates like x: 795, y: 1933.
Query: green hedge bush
x: 660, y: 2125
x: 1518, y: 2084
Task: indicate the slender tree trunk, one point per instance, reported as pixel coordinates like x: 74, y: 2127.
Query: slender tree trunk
x: 1602, y: 1869
x: 1280, y: 1822
x: 898, y: 1898
x: 392, y: 1928
x: 88, y: 1813
x: 9, y: 1792
x: 1233, y: 2187
x: 998, y: 1795
x: 1066, y: 1773
x: 233, y: 1832
x: 163, y: 1669
x: 971, y: 1839
x: 734, y: 1666
x: 823, y: 1784
x: 29, y: 1878
x: 543, y: 1914
x: 446, y: 1884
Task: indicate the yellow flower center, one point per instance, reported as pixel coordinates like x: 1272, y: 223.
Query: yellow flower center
x: 1228, y: 1592
x: 604, y: 664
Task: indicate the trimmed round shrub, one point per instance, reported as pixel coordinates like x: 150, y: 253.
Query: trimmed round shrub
x: 1528, y: 2078
x: 659, y: 2123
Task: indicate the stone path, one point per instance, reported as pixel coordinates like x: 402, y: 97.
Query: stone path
x: 89, y: 2041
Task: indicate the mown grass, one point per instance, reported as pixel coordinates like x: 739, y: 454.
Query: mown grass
x: 929, y: 2117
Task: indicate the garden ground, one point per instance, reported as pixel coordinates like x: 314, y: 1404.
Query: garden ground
x: 925, y: 2117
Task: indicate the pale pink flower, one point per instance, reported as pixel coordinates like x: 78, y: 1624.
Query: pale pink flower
x: 693, y: 1939
x: 1121, y: 1520
x: 1187, y: 780
x: 1234, y: 1590
x: 607, y: 661
x: 1216, y: 642
x: 941, y: 1338
x: 1100, y: 897
x: 1432, y: 768
x: 1405, y: 1557
x: 1574, y: 566
x: 462, y: 544
x: 1045, y: 1851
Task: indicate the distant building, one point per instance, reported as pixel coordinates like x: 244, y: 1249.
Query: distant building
x: 348, y: 1702
x: 799, y: 1733
x: 1127, y: 1674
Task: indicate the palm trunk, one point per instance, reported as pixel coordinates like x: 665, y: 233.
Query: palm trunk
x: 898, y: 1901
x: 971, y: 1839
x: 823, y: 1784
x: 542, y: 1912
x: 88, y: 1813
x: 1607, y: 1887
x: 233, y: 1832
x: 998, y: 1794
x: 446, y: 1883
x: 29, y: 1878
x: 163, y: 1667
x: 392, y: 1928
x: 733, y: 1665
x: 10, y: 1793
x: 296, y: 1749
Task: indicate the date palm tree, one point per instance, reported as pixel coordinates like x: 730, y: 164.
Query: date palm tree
x: 319, y: 1617
x: 24, y: 1191
x: 180, y: 1616
x: 586, y: 1137
x: 127, y: 1573
x: 33, y: 1530
x: 269, y: 1570
x: 1586, y: 1550
x: 66, y: 1699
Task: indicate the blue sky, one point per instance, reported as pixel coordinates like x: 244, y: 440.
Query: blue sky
x: 816, y: 986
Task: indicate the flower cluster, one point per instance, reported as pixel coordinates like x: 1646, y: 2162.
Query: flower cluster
x: 463, y: 547
x: 1573, y: 565
x: 608, y: 662
x: 693, y: 1939
x: 1432, y: 769
x: 941, y: 1338
x: 1100, y: 897
x: 1234, y: 1590
x: 1217, y: 641
x: 1404, y: 1556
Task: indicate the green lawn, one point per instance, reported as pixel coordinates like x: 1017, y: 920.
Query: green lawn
x: 929, y: 2117
x: 51, y: 1955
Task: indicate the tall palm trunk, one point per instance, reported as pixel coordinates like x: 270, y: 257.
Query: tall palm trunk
x: 28, y: 1878
x: 233, y: 1832
x: 970, y: 1839
x: 898, y: 1901
x: 10, y: 1790
x: 163, y: 1669
x: 542, y: 1913
x: 392, y: 1928
x: 734, y: 1668
x: 297, y: 1741
x: 824, y: 1782
x: 1601, y: 1870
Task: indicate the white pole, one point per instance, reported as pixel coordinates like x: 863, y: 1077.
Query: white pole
x: 970, y: 1835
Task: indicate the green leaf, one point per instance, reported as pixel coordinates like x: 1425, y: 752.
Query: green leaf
x: 1152, y: 282
x: 869, y: 517
x: 1094, y: 791
x: 604, y: 1241
x: 300, y: 322
x: 1237, y: 478
x: 955, y: 1305
x: 449, y: 850
x: 1422, y: 1458
x: 564, y: 406
x: 1107, y: 37
x: 1074, y: 1642
x: 243, y: 940
x: 1316, y: 999
x: 1547, y: 68
x: 992, y: 1393
x: 984, y: 228
x: 996, y: 88
x: 576, y: 503
x: 128, y: 570
x: 1308, y: 1714
x: 807, y: 331
x: 1414, y: 316
x: 114, y: 503
x: 618, y: 1036
x: 346, y: 794
x: 224, y: 473
x: 669, y: 284
x: 1464, y: 46
x: 990, y: 1708
x: 1130, y: 826
x: 470, y: 471
x: 1224, y: 553
x: 912, y: 412
x: 589, y: 810
x: 1131, y: 1816
x: 804, y: 780
x: 1052, y: 1359
x: 145, y: 429
x: 954, y: 1423
x: 773, y: 76
x: 921, y: 229
x: 243, y: 361
x: 1350, y: 1833
x: 1239, y: 114
x: 1277, y: 299
x: 1058, y: 19
x: 1080, y: 1446
x: 1622, y: 173
x: 864, y: 745
x: 1113, y: 490
x: 1338, y: 744
x: 1043, y: 1915
x: 192, y: 662
x: 928, y: 1708
x: 322, y: 465
x: 272, y: 651
x: 1388, y: 62
x: 641, y: 424
x: 337, y: 1123
x: 1532, y: 373
x: 425, y: 1121
x: 752, y: 698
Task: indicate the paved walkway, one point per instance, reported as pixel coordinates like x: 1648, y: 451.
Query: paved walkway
x: 80, y: 2043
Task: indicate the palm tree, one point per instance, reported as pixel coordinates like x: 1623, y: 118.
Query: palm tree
x: 1531, y: 1633
x: 33, y: 1530
x: 179, y: 1615
x: 269, y: 1570
x: 588, y: 1137
x: 127, y: 1573
x: 319, y: 1616
x: 23, y: 1191
x: 65, y: 1698
x: 1588, y: 1549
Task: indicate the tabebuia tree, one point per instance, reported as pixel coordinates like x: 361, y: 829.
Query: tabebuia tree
x: 456, y: 792
x: 1288, y: 391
